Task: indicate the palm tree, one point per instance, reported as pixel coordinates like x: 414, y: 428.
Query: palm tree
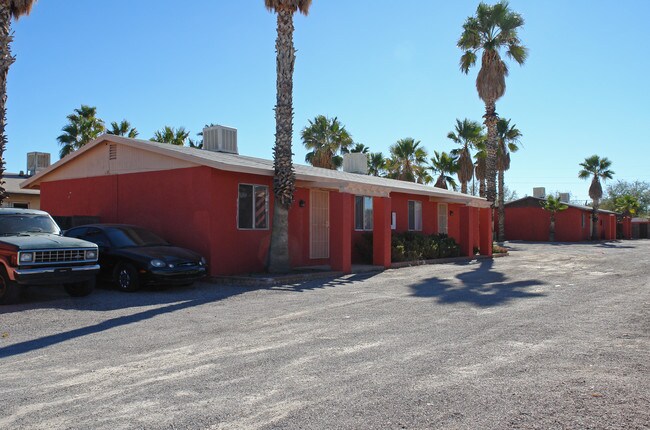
x: 326, y: 138
x: 123, y: 129
x: 171, y: 135
x: 284, y: 176
x: 508, y: 137
x: 407, y: 160
x: 595, y: 168
x: 627, y: 204
x: 553, y: 205
x: 480, y: 171
x: 467, y: 135
x: 492, y: 28
x: 359, y: 148
x: 9, y: 9
x: 444, y: 165
x: 376, y: 164
x: 83, y: 126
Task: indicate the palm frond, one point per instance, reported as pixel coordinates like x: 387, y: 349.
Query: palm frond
x: 18, y: 8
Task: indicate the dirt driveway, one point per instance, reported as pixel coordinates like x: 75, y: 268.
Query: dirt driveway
x: 550, y: 337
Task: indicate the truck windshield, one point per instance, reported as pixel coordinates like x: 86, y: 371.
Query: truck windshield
x: 17, y: 224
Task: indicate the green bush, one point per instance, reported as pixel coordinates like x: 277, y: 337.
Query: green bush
x: 411, y: 246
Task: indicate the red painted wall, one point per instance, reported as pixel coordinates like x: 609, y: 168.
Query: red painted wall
x: 197, y: 208
x: 533, y: 224
x: 204, y: 219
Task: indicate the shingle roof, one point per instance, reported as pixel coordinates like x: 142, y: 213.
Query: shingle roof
x: 246, y: 164
x: 12, y: 184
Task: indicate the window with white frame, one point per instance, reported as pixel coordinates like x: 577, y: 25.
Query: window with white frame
x: 362, y: 213
x: 253, y: 207
x: 415, y: 215
x: 442, y: 218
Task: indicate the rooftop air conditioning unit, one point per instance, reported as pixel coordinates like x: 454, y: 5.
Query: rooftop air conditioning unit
x: 539, y: 192
x: 37, y: 161
x: 220, y: 139
x: 355, y: 162
x: 564, y: 197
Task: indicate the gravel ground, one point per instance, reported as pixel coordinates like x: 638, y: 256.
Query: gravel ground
x: 550, y: 337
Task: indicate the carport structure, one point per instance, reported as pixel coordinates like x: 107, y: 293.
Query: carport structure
x: 218, y: 203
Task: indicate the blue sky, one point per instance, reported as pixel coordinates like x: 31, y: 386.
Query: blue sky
x: 386, y: 69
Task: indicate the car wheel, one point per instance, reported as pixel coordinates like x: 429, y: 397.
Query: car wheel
x: 8, y: 288
x: 80, y: 289
x: 126, y: 277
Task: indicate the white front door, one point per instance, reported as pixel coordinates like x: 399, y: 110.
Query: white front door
x: 319, y: 224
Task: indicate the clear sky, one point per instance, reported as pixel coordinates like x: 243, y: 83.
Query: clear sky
x: 386, y: 69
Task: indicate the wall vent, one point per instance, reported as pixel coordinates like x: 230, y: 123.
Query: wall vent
x: 355, y: 162
x: 112, y: 151
x: 539, y: 192
x: 37, y: 161
x: 220, y: 139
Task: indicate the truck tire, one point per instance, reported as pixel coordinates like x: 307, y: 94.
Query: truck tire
x: 8, y: 289
x: 126, y: 277
x: 80, y: 289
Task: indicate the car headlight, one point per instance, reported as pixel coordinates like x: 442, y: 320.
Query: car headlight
x: 26, y: 257
x: 158, y: 263
x: 91, y: 254
x: 202, y: 262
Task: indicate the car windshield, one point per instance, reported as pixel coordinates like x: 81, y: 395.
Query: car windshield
x: 124, y: 237
x: 27, y: 223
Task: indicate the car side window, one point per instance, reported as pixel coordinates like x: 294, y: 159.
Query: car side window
x: 76, y: 232
x: 97, y: 237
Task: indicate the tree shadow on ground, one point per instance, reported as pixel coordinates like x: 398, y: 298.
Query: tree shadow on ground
x: 480, y: 287
x: 324, y: 283
x: 166, y: 301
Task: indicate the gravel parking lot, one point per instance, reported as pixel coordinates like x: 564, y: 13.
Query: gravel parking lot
x: 550, y: 337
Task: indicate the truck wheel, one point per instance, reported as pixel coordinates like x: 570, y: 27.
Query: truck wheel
x: 126, y: 277
x: 8, y: 288
x: 80, y: 289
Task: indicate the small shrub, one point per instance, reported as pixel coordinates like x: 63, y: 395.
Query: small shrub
x: 411, y: 246
x: 496, y: 249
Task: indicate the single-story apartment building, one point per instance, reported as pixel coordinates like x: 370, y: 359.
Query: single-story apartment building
x: 18, y: 197
x: 218, y: 203
x: 526, y: 219
x: 640, y: 228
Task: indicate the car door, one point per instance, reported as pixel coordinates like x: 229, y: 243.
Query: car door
x: 107, y: 258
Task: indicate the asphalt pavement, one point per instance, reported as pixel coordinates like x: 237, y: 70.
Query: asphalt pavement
x: 553, y: 336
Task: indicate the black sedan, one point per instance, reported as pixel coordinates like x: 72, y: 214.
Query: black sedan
x: 132, y: 257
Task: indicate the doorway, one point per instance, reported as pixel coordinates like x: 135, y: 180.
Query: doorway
x: 319, y: 224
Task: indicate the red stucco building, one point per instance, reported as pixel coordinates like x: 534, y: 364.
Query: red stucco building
x: 219, y: 204
x: 525, y: 219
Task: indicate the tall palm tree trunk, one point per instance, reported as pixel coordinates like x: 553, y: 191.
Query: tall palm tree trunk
x: 502, y: 212
x: 490, y: 122
x: 284, y: 178
x: 594, y: 219
x: 551, y: 233
x: 6, y: 59
x: 463, y: 187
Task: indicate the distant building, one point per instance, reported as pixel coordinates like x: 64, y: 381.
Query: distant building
x: 525, y: 219
x: 18, y: 197
x: 24, y: 198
